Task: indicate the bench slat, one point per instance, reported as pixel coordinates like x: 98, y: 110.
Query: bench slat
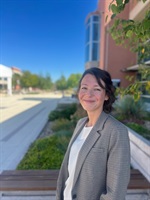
x: 28, y: 185
x: 30, y: 172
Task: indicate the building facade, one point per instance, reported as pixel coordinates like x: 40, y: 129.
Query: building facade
x: 118, y: 60
x: 5, y: 79
x: 6, y: 76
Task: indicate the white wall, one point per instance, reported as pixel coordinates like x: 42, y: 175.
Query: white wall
x: 6, y: 72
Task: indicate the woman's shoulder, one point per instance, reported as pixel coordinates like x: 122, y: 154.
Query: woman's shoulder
x: 116, y: 131
x: 115, y: 125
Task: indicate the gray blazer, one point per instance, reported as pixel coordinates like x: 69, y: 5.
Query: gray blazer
x: 103, y: 165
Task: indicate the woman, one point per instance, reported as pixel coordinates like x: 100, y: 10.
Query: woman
x: 97, y: 162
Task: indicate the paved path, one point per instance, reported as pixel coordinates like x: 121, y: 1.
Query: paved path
x: 28, y: 115
x: 39, y: 195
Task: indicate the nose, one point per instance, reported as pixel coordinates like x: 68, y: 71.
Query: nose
x: 90, y: 92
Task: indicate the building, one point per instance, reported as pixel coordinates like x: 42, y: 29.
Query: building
x: 16, y: 70
x: 6, y: 79
x: 118, y: 60
x: 6, y: 74
x: 18, y: 73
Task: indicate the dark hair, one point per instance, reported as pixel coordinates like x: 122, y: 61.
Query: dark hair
x: 103, y: 75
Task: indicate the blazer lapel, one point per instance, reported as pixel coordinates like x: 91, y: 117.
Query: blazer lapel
x: 89, y: 143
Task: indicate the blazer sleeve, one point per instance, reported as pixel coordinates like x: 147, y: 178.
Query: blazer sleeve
x: 118, y: 165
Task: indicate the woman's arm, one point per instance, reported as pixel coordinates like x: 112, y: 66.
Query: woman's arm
x: 118, y: 165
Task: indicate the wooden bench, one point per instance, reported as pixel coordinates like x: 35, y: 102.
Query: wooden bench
x: 138, y: 181
x: 29, y: 180
x: 45, y: 180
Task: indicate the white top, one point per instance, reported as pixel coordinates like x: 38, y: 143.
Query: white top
x: 74, y: 151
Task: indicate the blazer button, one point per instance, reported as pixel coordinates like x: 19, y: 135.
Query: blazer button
x: 74, y: 196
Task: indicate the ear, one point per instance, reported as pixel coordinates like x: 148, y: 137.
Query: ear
x: 106, y: 97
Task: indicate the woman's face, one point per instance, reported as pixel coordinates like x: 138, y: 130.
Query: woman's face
x: 91, y: 95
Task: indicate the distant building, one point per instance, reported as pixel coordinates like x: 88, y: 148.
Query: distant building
x: 16, y: 70
x: 92, y: 40
x: 16, y: 85
x: 6, y: 79
x: 6, y: 74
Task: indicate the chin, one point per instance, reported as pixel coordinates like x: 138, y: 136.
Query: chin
x: 88, y: 109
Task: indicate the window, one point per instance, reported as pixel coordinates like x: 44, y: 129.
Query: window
x: 95, y: 52
x: 96, y: 18
x: 87, y: 56
x: 95, y: 32
x: 92, y: 41
x: 116, y: 82
x: 88, y: 34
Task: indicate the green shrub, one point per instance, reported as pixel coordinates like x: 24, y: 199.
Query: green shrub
x: 132, y: 114
x: 61, y: 124
x: 55, y: 114
x: 46, y: 153
x: 147, y: 116
x: 140, y: 129
x: 63, y: 139
x: 65, y: 112
x: 128, y: 109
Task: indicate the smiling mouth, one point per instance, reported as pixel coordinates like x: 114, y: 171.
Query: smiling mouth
x: 88, y: 101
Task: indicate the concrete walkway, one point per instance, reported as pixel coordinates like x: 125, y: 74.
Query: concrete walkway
x: 41, y: 195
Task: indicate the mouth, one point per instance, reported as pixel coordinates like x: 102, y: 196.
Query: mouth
x: 88, y: 101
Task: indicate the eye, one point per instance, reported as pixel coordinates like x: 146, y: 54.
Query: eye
x: 97, y: 89
x: 83, y: 88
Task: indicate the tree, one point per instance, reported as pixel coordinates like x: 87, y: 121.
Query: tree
x: 29, y: 80
x: 26, y: 79
x: 136, y: 35
x: 61, y: 84
x: 73, y: 80
x: 45, y: 82
x: 49, y: 82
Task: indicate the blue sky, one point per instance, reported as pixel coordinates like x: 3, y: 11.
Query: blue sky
x: 44, y: 36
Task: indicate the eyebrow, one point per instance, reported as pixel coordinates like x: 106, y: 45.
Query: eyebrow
x: 93, y: 85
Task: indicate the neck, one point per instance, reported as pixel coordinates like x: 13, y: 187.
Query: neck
x: 93, y: 117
